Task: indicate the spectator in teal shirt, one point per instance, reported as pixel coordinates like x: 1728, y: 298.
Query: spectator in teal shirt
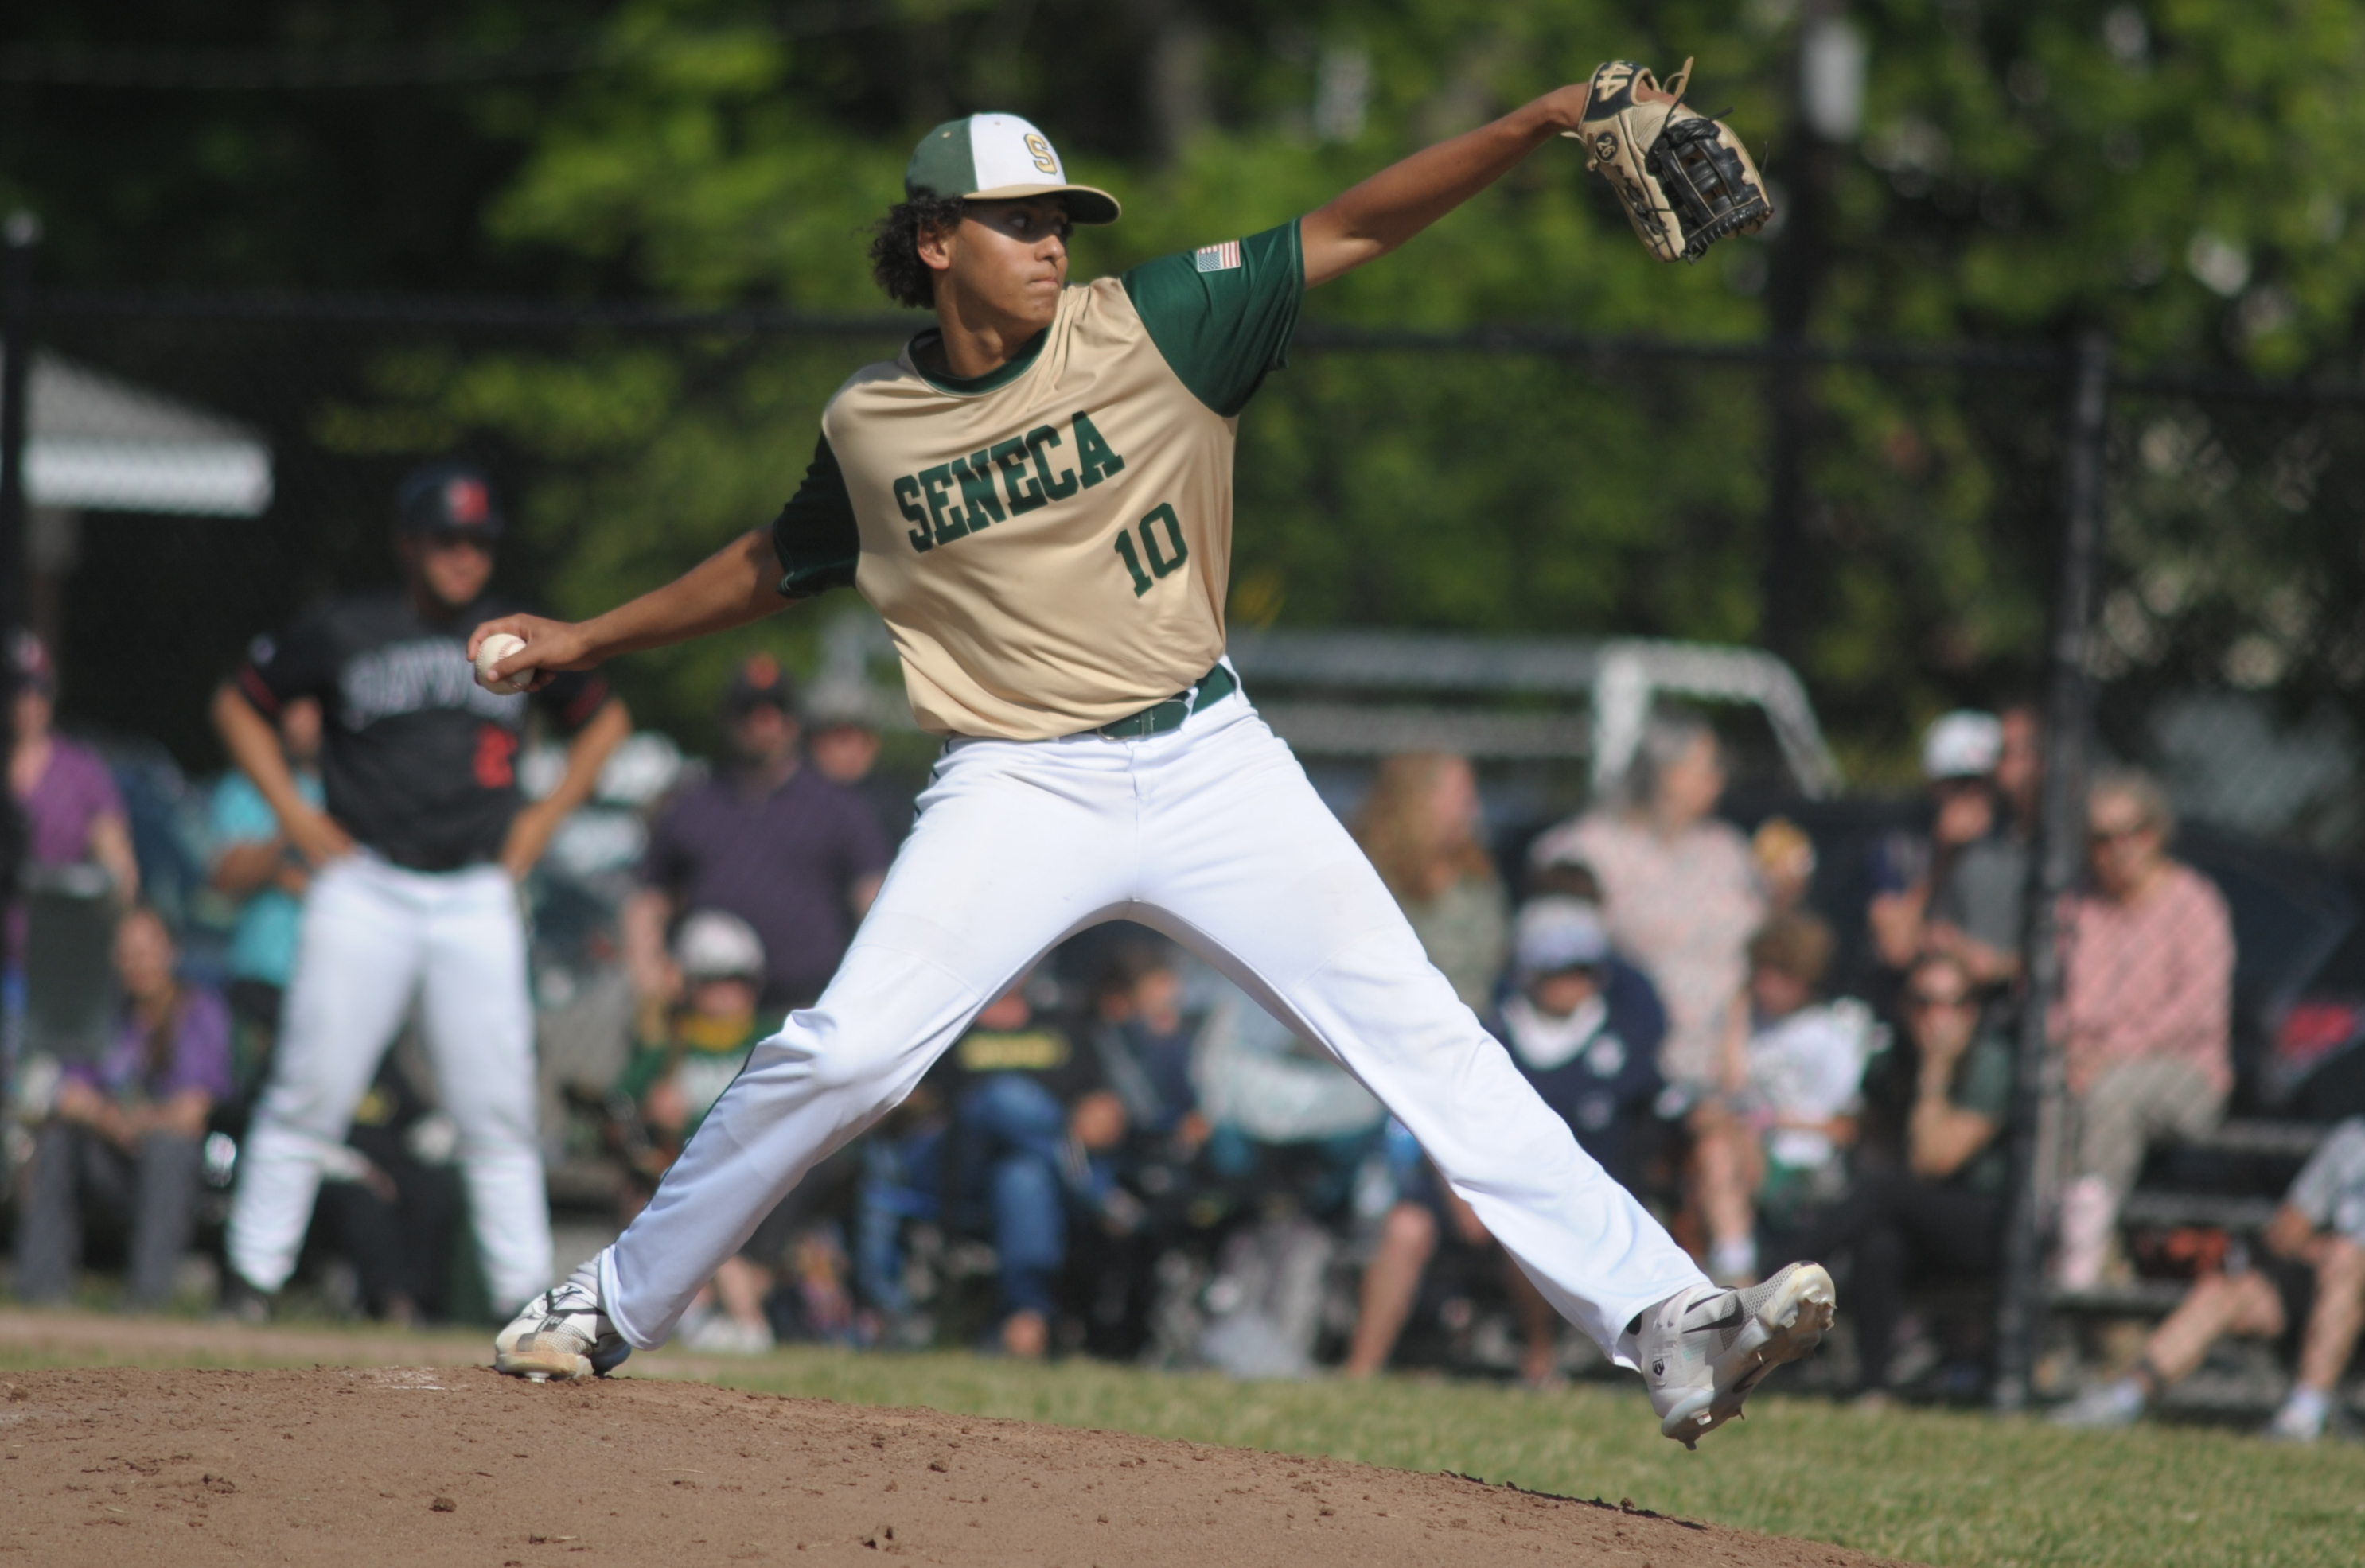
x: 253, y: 860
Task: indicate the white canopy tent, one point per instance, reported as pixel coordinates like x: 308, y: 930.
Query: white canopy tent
x: 95, y: 443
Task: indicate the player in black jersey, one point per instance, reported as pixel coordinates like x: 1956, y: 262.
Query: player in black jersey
x: 416, y: 857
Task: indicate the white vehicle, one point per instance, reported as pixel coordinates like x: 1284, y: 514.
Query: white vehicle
x: 1364, y: 694
x: 1353, y: 696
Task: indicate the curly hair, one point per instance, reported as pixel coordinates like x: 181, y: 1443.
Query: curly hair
x: 895, y: 247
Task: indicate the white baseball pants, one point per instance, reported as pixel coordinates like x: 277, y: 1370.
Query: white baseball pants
x: 1211, y: 833
x: 374, y: 938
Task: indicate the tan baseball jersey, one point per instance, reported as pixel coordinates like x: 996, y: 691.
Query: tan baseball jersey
x: 1051, y: 544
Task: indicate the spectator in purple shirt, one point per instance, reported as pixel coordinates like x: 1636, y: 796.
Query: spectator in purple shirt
x: 772, y: 841
x: 125, y: 1135
x: 72, y: 811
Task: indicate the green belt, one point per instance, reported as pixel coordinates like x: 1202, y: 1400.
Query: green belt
x: 1160, y: 717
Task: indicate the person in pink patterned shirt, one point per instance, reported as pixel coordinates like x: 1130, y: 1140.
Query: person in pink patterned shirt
x: 1679, y: 890
x: 2146, y: 1016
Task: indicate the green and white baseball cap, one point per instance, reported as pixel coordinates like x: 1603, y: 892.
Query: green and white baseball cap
x: 999, y: 158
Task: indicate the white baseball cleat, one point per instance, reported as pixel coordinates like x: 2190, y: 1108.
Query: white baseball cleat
x: 561, y: 1333
x: 1704, y: 1350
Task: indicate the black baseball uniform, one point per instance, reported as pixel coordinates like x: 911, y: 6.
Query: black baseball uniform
x: 419, y: 765
x: 418, y: 759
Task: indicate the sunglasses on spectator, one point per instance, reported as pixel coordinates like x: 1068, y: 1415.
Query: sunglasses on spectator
x: 2100, y: 835
x: 1929, y: 1002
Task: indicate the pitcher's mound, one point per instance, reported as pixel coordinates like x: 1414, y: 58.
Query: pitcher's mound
x: 444, y: 1465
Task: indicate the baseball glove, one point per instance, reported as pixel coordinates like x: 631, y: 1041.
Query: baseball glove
x: 1685, y: 180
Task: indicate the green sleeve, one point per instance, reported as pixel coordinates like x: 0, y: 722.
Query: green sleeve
x: 1983, y: 1083
x: 815, y: 536
x: 1223, y: 315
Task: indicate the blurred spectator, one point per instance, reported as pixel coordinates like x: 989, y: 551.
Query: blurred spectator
x: 1680, y: 895
x: 902, y: 1185
x: 1408, y: 1239
x: 2020, y: 765
x: 1148, y: 1044
x: 1033, y: 1129
x: 158, y: 803
x: 1791, y: 1093
x: 1035, y: 1126
x: 1784, y: 854
x: 1582, y: 1026
x: 389, y: 1198
x: 256, y: 862
x: 1584, y: 1029
x: 795, y: 856
x: 1144, y: 1042
x: 2310, y: 1283
x: 671, y: 1084
x: 841, y: 725
x: 1960, y: 891
x: 1942, y: 1217
x: 1264, y: 1088
x: 126, y: 1136
x: 1422, y: 826
x: 2146, y: 1013
x: 73, y: 814
x: 1564, y: 879
x: 1298, y: 1150
x: 677, y: 1074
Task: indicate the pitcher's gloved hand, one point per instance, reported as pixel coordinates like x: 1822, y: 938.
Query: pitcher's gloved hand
x: 1685, y: 180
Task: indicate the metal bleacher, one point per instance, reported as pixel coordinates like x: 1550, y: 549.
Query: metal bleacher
x: 2242, y: 1379
x: 2243, y: 1216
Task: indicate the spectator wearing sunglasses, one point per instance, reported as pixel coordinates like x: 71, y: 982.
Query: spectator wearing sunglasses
x: 1942, y: 1217
x: 2146, y: 1016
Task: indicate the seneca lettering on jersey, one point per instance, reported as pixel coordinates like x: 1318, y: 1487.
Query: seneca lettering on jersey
x: 1051, y: 544
x: 417, y: 761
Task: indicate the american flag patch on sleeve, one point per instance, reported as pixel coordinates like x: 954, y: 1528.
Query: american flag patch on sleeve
x: 1220, y: 258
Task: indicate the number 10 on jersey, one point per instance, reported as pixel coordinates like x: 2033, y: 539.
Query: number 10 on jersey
x: 1153, y: 549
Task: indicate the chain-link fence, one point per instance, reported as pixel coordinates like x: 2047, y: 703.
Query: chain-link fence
x: 2205, y: 1032
x: 194, y: 471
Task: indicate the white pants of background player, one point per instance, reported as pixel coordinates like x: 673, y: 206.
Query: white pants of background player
x: 375, y: 936
x: 1211, y: 833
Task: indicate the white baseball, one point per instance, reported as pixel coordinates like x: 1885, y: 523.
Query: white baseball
x: 492, y: 651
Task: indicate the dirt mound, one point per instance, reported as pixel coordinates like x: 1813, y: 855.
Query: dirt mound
x: 442, y: 1466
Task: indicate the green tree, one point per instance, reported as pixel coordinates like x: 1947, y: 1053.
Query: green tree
x: 2175, y: 172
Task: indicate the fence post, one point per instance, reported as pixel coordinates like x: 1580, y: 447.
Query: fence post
x: 2053, y: 868
x: 23, y: 236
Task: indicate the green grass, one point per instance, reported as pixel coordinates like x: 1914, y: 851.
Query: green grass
x: 1938, y: 1487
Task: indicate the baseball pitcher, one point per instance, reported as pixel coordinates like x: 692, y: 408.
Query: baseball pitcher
x: 1037, y: 495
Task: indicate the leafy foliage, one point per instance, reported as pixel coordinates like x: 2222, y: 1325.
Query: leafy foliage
x: 2180, y: 173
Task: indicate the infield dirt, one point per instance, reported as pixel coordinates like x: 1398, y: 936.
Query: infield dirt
x: 456, y: 1465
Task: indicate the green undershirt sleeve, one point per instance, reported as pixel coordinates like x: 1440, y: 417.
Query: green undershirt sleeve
x: 1223, y: 315
x: 815, y: 536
